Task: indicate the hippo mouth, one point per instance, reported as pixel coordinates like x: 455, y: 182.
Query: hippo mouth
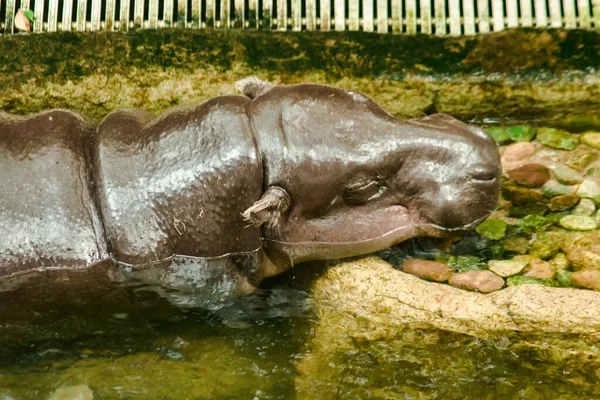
x: 404, y: 228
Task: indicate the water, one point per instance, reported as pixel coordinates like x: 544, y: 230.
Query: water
x: 263, y: 347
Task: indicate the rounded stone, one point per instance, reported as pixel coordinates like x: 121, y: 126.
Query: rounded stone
x: 557, y: 138
x: 585, y: 207
x: 578, y: 223
x: 560, y: 261
x: 563, y: 202
x: 530, y: 175
x: 593, y: 171
x: 429, y: 270
x: 521, y: 133
x: 80, y: 392
x: 591, y: 139
x: 498, y: 133
x: 480, y: 281
x: 589, y: 279
x: 537, y: 268
x: 589, y: 189
x: 518, y: 152
x: 554, y: 188
x: 493, y: 228
x: 567, y: 176
x: 507, y: 268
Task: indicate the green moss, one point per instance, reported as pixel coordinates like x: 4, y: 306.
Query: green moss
x: 521, y: 280
x: 466, y: 263
x: 493, y: 228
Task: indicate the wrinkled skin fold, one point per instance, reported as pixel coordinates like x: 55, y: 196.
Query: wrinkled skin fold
x: 202, y: 203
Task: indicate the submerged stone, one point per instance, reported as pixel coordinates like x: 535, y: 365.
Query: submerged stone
x: 563, y: 202
x: 466, y: 263
x: 480, y: 281
x: 593, y: 171
x: 507, y: 267
x: 591, y: 139
x: 546, y: 245
x: 557, y: 138
x: 498, y: 133
x: 578, y: 160
x: 530, y: 175
x: 554, y: 188
x: 528, y: 209
x: 79, y: 392
x: 517, y: 245
x: 493, y: 228
x: 578, y: 223
x: 567, y: 176
x: 589, y: 189
x: 521, y: 133
x: 589, y: 279
x: 582, y: 249
x: 585, y: 207
x: 429, y: 270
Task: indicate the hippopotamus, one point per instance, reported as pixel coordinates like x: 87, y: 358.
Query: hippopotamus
x: 206, y: 201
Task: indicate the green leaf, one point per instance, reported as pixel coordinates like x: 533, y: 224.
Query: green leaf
x: 29, y: 15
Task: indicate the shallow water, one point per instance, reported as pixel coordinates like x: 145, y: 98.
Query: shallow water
x: 255, y: 348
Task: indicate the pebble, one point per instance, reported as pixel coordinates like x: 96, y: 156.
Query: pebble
x: 585, y: 207
x: 425, y: 269
x: 521, y: 133
x: 593, y: 171
x: 481, y: 281
x: 591, y: 139
x: 537, y: 268
x: 589, y: 279
x: 518, y: 152
x: 557, y: 138
x: 530, y: 175
x: 554, y: 188
x: 578, y: 223
x: 563, y: 202
x: 567, y: 176
x: 589, y: 189
x: 507, y: 268
x: 79, y: 392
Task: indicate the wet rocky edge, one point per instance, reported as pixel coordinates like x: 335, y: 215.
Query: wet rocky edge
x: 545, y: 230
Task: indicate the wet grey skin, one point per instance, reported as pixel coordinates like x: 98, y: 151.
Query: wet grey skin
x: 202, y: 203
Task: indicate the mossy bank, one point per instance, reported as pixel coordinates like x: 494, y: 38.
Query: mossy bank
x: 553, y: 75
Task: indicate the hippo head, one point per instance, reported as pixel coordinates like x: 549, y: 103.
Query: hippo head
x: 343, y: 177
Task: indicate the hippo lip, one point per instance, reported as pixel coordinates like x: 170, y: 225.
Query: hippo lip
x: 301, y: 251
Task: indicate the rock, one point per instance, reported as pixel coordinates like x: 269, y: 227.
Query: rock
x: 557, y: 138
x: 563, y: 277
x: 536, y: 267
x: 585, y: 207
x: 498, y: 133
x: 546, y: 244
x: 582, y: 249
x: 466, y: 263
x: 563, y: 202
x: 430, y: 270
x: 493, y: 228
x: 521, y: 133
x: 554, y: 188
x: 578, y: 223
x: 524, y: 280
x: 517, y: 244
x: 591, y: 139
x: 589, y: 279
x: 567, y: 176
x: 593, y: 171
x: 80, y: 392
x: 517, y: 152
x: 560, y: 261
x: 589, y: 189
x: 481, y: 281
x: 580, y: 158
x: 520, y: 195
x: 530, y: 175
x: 507, y: 268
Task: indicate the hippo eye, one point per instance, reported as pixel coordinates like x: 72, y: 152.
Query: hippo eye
x: 484, y: 175
x: 361, y: 192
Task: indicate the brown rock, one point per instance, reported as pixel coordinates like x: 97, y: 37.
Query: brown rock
x: 480, y: 281
x: 520, y: 195
x: 563, y: 202
x: 582, y: 249
x: 430, y: 270
x: 530, y: 175
x: 589, y: 279
x: 517, y: 152
x: 537, y: 268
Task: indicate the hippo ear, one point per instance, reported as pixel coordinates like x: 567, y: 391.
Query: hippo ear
x: 253, y: 87
x: 268, y: 209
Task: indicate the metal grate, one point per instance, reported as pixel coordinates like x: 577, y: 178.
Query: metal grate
x: 439, y: 17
